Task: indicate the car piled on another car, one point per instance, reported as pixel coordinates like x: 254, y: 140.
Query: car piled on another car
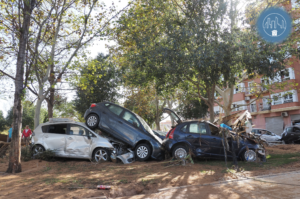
x: 129, y: 133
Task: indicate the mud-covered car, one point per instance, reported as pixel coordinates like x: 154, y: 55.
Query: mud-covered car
x: 203, y: 140
x: 291, y: 134
x: 127, y: 128
x: 70, y: 139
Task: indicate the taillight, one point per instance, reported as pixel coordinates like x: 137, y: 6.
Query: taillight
x: 93, y: 105
x: 171, y: 133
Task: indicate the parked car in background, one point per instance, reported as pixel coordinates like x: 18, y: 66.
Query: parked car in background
x: 266, y: 135
x: 161, y: 134
x: 125, y: 126
x: 203, y: 140
x: 70, y: 139
x: 291, y: 134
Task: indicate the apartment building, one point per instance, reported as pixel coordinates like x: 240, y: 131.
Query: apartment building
x: 274, y: 109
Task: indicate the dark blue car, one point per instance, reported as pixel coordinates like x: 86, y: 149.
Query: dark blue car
x: 203, y: 140
x: 127, y: 127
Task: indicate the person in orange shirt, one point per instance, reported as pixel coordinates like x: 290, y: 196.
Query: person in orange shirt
x: 26, y: 134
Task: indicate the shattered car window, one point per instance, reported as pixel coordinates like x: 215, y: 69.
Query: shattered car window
x: 197, y: 128
x: 214, y: 130
x: 115, y: 109
x: 57, y: 128
x: 130, y: 118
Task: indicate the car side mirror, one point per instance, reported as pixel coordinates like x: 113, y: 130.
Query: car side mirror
x: 89, y: 137
x: 135, y: 124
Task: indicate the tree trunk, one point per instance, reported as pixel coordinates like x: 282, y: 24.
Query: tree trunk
x: 211, y: 112
x: 14, y: 165
x: 169, y: 102
x: 38, y: 106
x: 50, y: 100
x: 157, y: 124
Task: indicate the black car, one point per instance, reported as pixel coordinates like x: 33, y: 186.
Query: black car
x: 125, y: 126
x: 291, y: 134
x: 203, y: 139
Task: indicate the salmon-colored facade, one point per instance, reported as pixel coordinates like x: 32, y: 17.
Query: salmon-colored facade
x: 270, y: 111
x: 275, y: 109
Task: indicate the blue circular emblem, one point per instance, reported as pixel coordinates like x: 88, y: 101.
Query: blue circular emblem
x: 274, y: 25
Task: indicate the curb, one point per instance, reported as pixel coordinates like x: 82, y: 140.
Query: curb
x: 228, y: 181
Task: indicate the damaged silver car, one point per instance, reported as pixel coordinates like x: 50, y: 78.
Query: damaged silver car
x: 71, y: 139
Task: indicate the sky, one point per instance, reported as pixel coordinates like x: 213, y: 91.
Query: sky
x: 6, y: 99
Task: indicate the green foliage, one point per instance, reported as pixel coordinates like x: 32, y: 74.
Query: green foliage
x: 192, y: 108
x: 26, y: 153
x: 141, y: 101
x: 3, y: 123
x: 48, y: 155
x: 28, y: 115
x: 98, y: 81
x: 67, y: 110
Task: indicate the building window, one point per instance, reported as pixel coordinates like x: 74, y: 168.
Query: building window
x: 253, y: 107
x: 264, y: 83
x: 285, y: 75
x: 239, y: 88
x: 266, y: 104
x: 288, y: 98
x: 284, y: 97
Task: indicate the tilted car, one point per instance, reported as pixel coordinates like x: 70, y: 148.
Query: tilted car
x: 125, y: 126
x: 266, y: 135
x: 70, y: 139
x: 203, y: 139
x: 291, y: 134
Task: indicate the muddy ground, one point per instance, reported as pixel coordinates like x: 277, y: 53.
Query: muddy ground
x: 71, y: 178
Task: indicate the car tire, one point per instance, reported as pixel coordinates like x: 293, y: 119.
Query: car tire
x: 92, y: 121
x: 142, y: 152
x: 180, y: 152
x: 101, y: 154
x: 249, y: 156
x: 37, y: 149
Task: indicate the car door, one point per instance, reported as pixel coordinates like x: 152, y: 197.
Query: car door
x: 295, y: 135
x: 78, y: 143
x: 130, y: 127
x: 112, y: 122
x: 214, y: 140
x: 197, y: 136
x: 268, y: 136
x: 55, y: 138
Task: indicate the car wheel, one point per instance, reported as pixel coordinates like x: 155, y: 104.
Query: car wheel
x: 249, y: 156
x: 180, y: 152
x: 92, y: 121
x: 101, y: 155
x: 142, y: 152
x: 37, y: 149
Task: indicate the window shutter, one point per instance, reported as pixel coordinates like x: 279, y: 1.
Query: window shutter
x: 292, y: 73
x: 295, y: 96
x: 242, y: 85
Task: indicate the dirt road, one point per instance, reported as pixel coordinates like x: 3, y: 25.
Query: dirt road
x: 284, y: 185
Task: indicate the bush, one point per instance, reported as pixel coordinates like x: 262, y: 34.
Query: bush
x: 48, y: 155
x: 26, y: 153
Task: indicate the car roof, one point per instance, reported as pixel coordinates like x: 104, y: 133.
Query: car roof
x: 208, y: 122
x: 63, y: 122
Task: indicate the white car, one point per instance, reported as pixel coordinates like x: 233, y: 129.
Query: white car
x: 267, y: 135
x: 71, y: 139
